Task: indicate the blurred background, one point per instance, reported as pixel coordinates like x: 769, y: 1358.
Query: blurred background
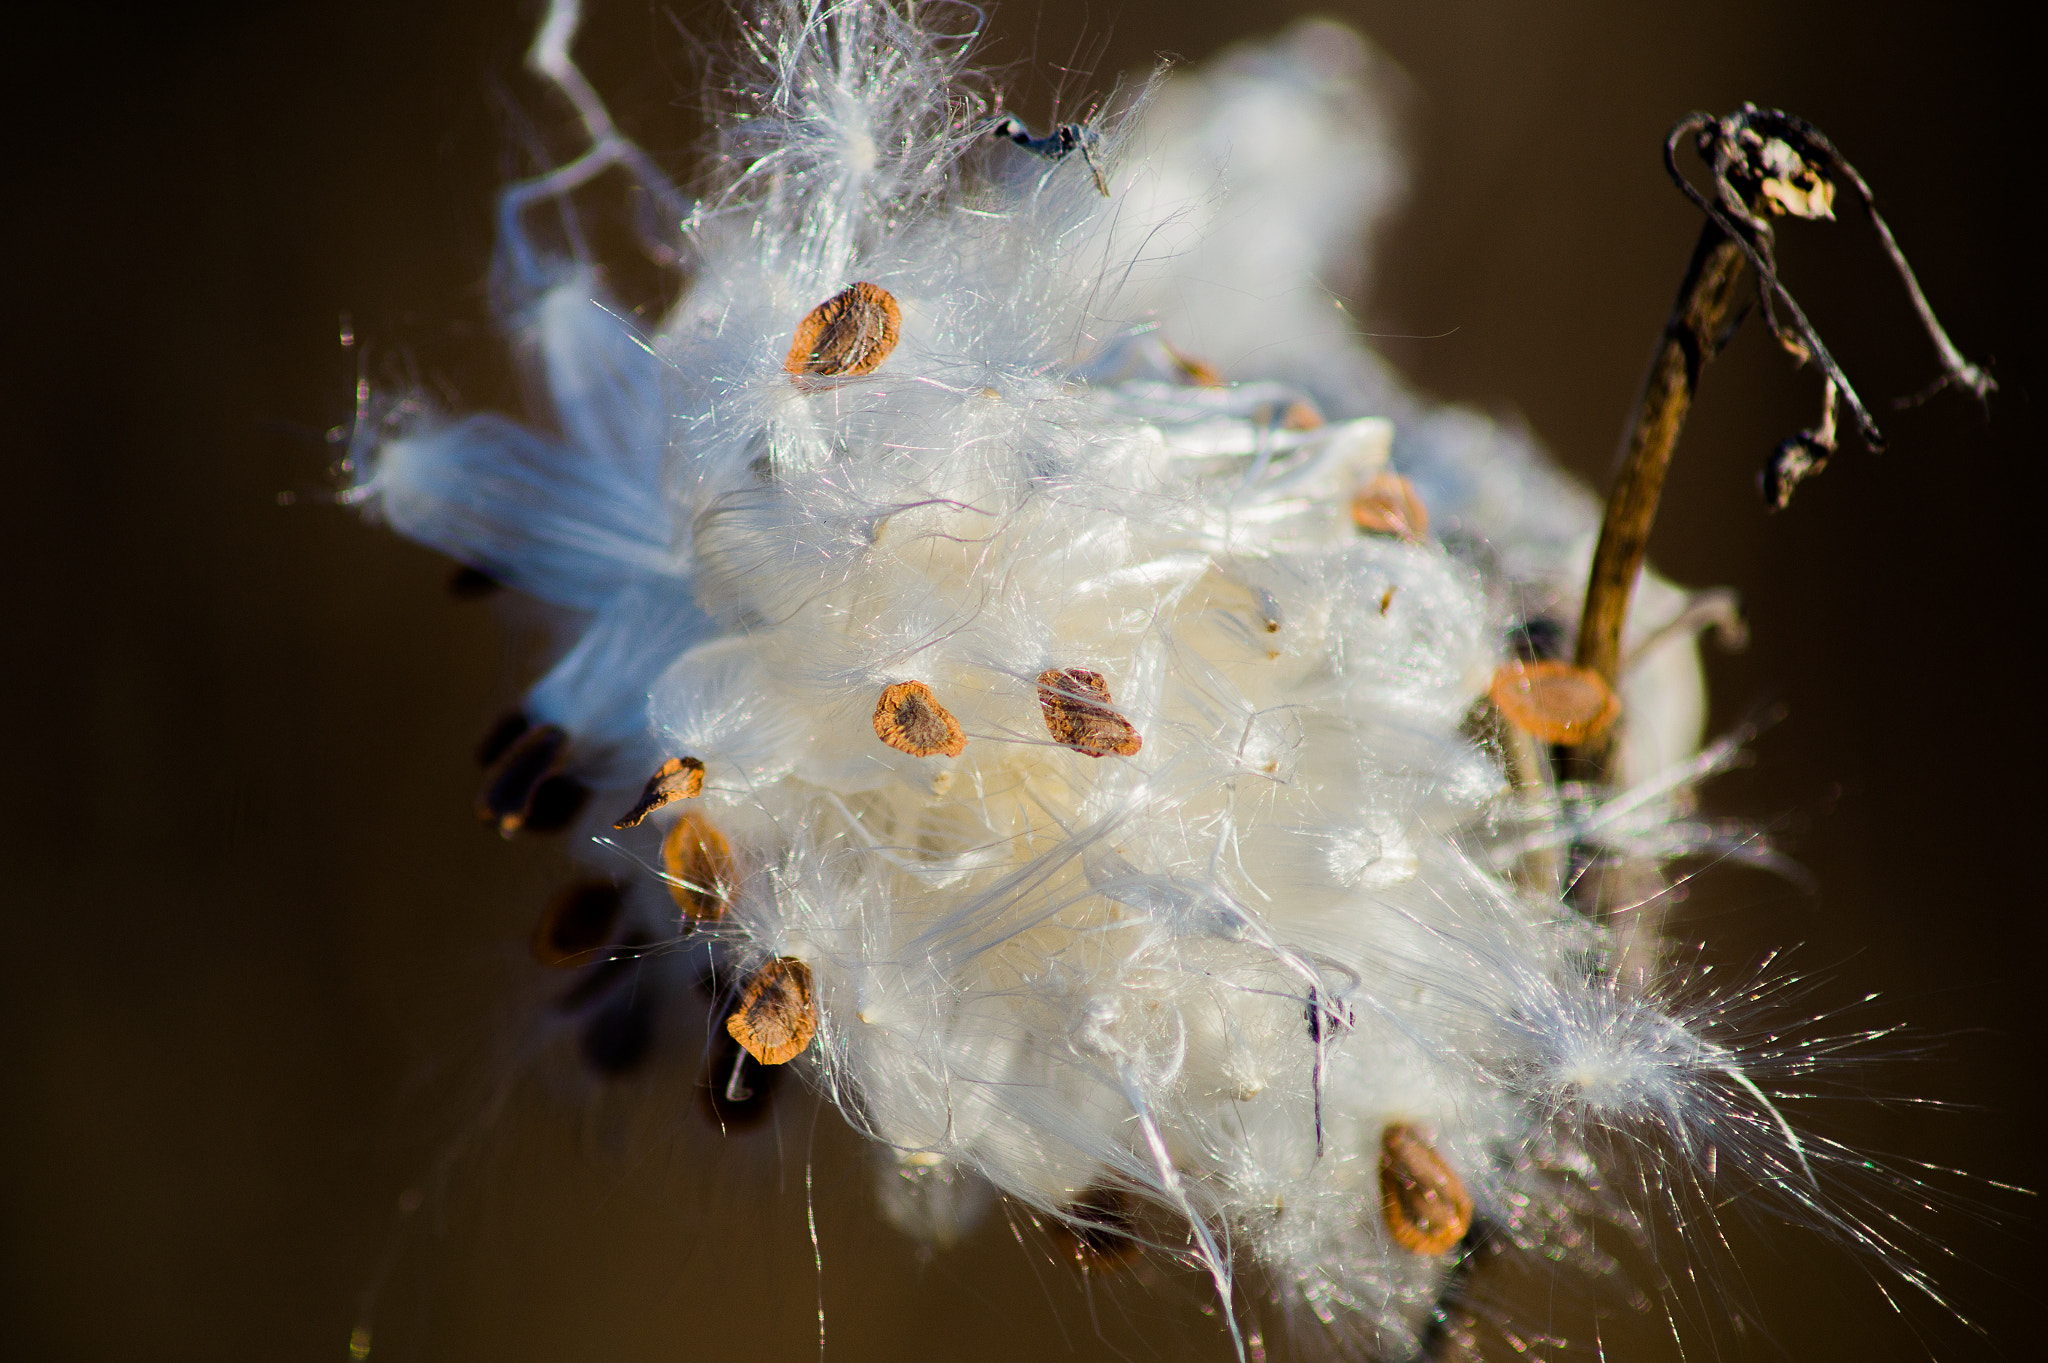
x: 264, y: 971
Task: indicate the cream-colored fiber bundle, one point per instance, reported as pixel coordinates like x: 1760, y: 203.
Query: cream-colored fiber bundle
x: 1128, y: 821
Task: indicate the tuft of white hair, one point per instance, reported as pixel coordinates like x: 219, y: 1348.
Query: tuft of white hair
x: 1206, y: 977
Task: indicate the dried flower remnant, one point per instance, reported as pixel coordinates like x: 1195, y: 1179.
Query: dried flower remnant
x: 1553, y: 701
x: 679, y: 778
x: 1389, y: 505
x: 910, y: 719
x: 776, y: 1017
x: 851, y: 332
x: 1076, y: 705
x: 698, y: 861
x: 578, y: 921
x: 509, y: 789
x: 1422, y: 1199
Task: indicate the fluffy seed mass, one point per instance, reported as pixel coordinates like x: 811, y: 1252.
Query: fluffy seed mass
x: 1173, y: 881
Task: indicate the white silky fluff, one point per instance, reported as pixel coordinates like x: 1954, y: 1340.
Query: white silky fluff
x: 1047, y: 971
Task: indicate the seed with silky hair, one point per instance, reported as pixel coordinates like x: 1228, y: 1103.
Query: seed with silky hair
x: 1075, y: 702
x: 910, y: 719
x: 1388, y: 505
x: 1553, y: 701
x: 1424, y: 1202
x: 698, y: 860
x: 851, y: 332
x: 776, y: 1017
x: 679, y: 778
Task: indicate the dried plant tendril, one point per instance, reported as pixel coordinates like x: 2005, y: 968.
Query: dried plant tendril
x: 1388, y: 505
x: 698, y: 861
x: 1556, y: 702
x: 1075, y: 702
x: 1422, y: 1199
x: 578, y: 921
x: 679, y: 778
x: 851, y: 332
x: 910, y: 719
x: 776, y: 1017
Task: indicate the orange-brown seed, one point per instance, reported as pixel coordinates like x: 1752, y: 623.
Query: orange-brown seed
x: 1388, y: 505
x: 1075, y: 702
x: 1425, y: 1204
x: 1104, y: 1231
x: 851, y: 332
x: 1301, y: 416
x: 1195, y: 372
x: 679, y: 778
x: 698, y: 860
x: 910, y: 719
x: 776, y: 1017
x: 1553, y: 701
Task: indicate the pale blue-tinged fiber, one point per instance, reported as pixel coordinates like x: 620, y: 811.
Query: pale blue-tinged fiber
x: 1206, y: 972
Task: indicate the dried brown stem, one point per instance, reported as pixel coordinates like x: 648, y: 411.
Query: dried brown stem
x: 1697, y: 323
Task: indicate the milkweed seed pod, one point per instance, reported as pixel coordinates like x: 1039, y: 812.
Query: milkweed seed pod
x: 1095, y: 766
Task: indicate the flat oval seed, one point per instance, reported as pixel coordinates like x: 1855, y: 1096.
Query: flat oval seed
x: 1426, y: 1207
x: 1075, y: 702
x: 776, y: 1018
x: 510, y: 784
x: 851, y: 332
x: 679, y: 778
x: 577, y: 921
x: 1554, y: 701
x: 1104, y: 1231
x: 910, y: 719
x: 1388, y: 505
x: 698, y: 860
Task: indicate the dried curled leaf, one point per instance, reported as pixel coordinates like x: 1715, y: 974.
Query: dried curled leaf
x: 1424, y: 1202
x: 698, y: 860
x: 1077, y: 711
x: 1388, y: 505
x: 679, y: 778
x: 910, y: 719
x: 509, y: 787
x: 578, y: 921
x: 1554, y: 701
x: 851, y: 332
x: 776, y: 1017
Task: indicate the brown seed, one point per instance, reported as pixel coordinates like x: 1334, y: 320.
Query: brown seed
x: 1425, y: 1204
x: 698, y: 860
x: 851, y: 332
x: 1195, y: 372
x: 1301, y: 416
x: 910, y: 719
x: 1388, y: 506
x: 1556, y: 702
x: 1104, y: 1231
x: 577, y: 921
x: 502, y: 735
x: 776, y: 1018
x: 517, y: 774
x: 1077, y: 711
x: 679, y: 778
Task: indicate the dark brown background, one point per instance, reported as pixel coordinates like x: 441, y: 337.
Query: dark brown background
x: 257, y: 951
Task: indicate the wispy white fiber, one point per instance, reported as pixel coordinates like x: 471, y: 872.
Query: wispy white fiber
x: 1208, y: 975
